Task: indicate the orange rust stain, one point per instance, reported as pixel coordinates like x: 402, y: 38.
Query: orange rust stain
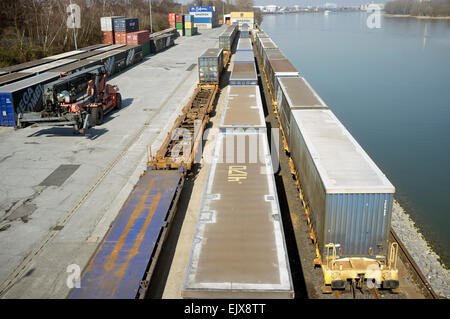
x: 134, y: 250
x: 119, y: 244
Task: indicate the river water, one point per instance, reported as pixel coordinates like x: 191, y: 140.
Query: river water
x: 390, y: 86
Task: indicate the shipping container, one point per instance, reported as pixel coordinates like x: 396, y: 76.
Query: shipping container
x: 295, y: 94
x: 161, y: 41
x: 172, y: 17
x: 139, y: 37
x: 243, y: 108
x: 210, y: 65
x: 188, y: 25
x: 173, y: 24
x: 107, y: 23
x: 13, y: 77
x: 179, y: 18
x: 227, y: 38
x: 244, y: 56
x: 266, y: 44
x: 120, y: 37
x: 146, y: 48
x: 203, y: 20
x: 76, y: 67
x: 108, y: 37
x: 23, y: 96
x: 48, y: 66
x: 274, y: 54
x: 189, y: 18
x: 244, y: 44
x: 179, y: 26
x: 239, y: 250
x: 277, y: 69
x: 248, y: 14
x: 126, y: 25
x: 24, y: 66
x: 244, y: 74
x: 190, y: 32
x: 349, y: 198
x: 180, y: 32
x: 203, y: 26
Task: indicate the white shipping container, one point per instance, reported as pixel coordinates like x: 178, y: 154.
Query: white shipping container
x: 202, y: 14
x: 203, y: 26
x: 106, y: 23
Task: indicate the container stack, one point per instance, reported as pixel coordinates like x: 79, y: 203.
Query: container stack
x: 122, y: 27
x: 172, y: 22
x: 205, y: 17
x: 107, y: 27
x: 140, y: 38
x: 179, y: 23
x: 189, y: 29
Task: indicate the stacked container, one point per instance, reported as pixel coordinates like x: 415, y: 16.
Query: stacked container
x: 172, y: 22
x: 122, y: 27
x: 226, y: 39
x: 205, y: 17
x: 179, y: 19
x: 189, y: 29
x: 140, y: 38
x: 107, y: 26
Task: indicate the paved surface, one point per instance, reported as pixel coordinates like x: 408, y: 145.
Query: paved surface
x: 47, y: 226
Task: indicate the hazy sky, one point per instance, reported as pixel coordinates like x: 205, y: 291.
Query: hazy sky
x: 308, y: 2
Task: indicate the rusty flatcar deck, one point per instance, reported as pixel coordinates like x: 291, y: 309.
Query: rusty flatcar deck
x: 122, y: 265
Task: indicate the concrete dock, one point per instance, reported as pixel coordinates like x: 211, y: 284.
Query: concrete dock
x: 60, y: 191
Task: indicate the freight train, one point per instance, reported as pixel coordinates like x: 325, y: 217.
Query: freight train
x: 347, y: 198
x: 239, y: 250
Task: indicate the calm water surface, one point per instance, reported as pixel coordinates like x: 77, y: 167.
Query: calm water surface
x: 391, y: 89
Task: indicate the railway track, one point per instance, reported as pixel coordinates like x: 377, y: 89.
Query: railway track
x: 407, y: 258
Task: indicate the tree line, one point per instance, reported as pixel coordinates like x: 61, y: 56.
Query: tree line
x: 431, y: 8
x: 34, y: 29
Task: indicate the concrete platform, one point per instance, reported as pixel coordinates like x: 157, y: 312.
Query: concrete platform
x: 47, y: 226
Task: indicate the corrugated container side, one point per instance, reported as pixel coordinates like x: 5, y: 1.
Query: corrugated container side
x: 108, y: 37
x: 126, y: 25
x: 120, y: 37
x: 358, y: 222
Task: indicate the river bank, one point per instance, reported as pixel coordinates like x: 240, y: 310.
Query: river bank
x: 411, y: 16
x: 421, y: 251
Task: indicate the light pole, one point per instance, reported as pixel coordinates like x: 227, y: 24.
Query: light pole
x: 73, y: 25
x: 151, y: 24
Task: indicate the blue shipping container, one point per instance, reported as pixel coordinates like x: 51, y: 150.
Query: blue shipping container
x: 126, y: 25
x: 200, y: 9
x: 203, y: 20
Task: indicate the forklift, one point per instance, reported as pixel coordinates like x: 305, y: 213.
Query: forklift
x: 80, y: 100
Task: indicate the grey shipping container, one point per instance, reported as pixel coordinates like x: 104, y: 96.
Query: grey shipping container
x: 13, y: 77
x: 266, y: 44
x: 243, y: 108
x: 349, y: 198
x: 126, y: 24
x: 277, y: 69
x: 244, y: 74
x: 210, y: 65
x: 23, y: 66
x: 49, y: 66
x: 239, y: 249
x: 226, y: 39
x: 23, y: 96
x: 244, y: 56
x: 295, y: 94
x: 275, y: 54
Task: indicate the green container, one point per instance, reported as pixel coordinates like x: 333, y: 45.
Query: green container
x: 179, y: 25
x: 188, y: 32
x: 146, y: 48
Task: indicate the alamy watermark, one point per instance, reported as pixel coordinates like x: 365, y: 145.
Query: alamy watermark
x: 74, y: 18
x: 74, y: 277
x: 374, y: 19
